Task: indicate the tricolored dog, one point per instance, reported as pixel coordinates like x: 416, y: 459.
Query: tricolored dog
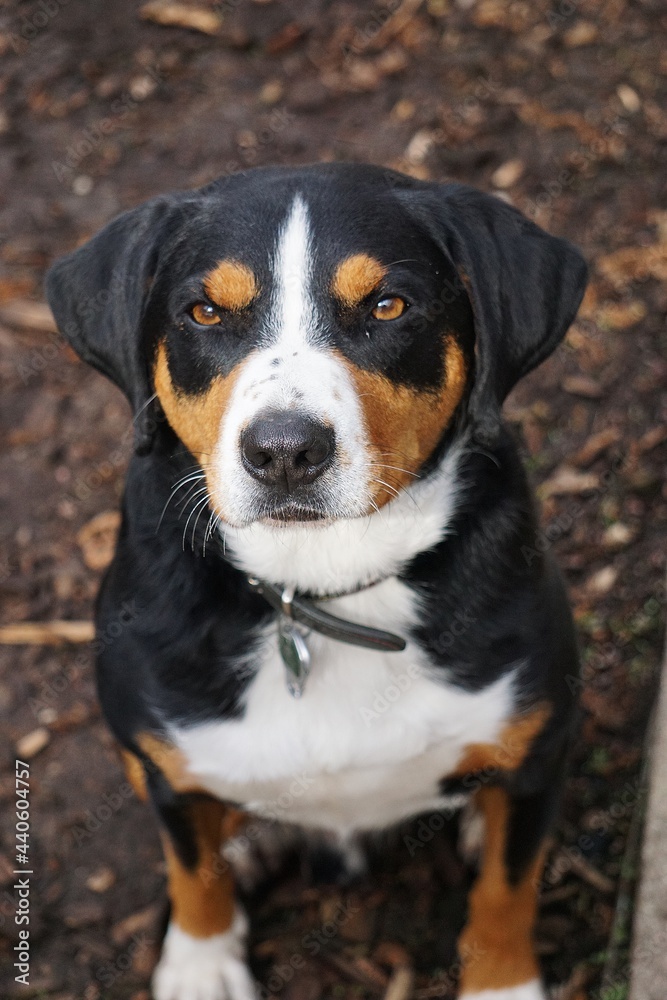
x: 326, y: 514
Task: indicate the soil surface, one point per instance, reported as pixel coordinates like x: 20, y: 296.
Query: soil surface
x: 559, y: 107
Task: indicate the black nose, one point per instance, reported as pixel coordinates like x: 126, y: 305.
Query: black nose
x: 286, y: 449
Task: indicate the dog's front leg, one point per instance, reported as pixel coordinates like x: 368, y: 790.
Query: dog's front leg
x: 203, y: 954
x: 496, y: 945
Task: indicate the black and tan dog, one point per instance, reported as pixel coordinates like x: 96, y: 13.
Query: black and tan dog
x: 343, y: 619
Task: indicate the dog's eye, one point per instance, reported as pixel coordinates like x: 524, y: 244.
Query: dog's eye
x: 390, y: 308
x: 205, y: 314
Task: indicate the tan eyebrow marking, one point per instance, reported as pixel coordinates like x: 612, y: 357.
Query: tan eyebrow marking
x: 356, y: 277
x: 231, y: 285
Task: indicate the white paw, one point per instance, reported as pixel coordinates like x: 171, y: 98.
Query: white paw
x: 527, y: 991
x: 210, y: 968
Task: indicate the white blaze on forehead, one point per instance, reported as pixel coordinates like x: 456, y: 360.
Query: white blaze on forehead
x: 293, y: 369
x: 293, y: 315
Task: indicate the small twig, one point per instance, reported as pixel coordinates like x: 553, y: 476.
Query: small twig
x: 574, y: 988
x: 350, y: 970
x: 46, y: 633
x: 400, y: 984
x: 586, y: 871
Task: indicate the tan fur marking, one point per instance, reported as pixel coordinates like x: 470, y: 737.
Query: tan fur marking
x: 135, y: 773
x: 356, y: 277
x: 169, y: 760
x: 231, y: 285
x: 496, y: 945
x: 511, y: 749
x: 404, y: 425
x: 202, y: 898
x: 195, y: 418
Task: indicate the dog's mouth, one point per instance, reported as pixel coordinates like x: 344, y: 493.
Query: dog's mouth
x: 293, y: 513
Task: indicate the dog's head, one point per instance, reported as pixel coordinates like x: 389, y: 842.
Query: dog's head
x: 316, y: 335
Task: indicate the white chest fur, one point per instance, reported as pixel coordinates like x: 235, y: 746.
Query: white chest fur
x: 367, y: 743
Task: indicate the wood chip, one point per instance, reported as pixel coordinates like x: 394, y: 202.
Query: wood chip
x: 595, y: 446
x: 32, y: 743
x: 603, y: 581
x: 142, y: 920
x: 51, y: 633
x: 651, y: 439
x: 567, y: 481
x: 182, y: 15
x: 582, y: 33
x: 27, y: 315
x: 507, y: 174
x: 101, y: 880
x: 401, y: 984
x: 618, y: 535
x: 629, y: 98
x: 394, y: 25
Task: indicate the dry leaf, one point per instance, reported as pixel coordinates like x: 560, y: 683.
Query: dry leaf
x: 97, y: 539
x: 634, y: 264
x: 182, y: 15
x: 604, y: 143
x: 595, y: 445
x: 621, y: 315
x: 582, y: 385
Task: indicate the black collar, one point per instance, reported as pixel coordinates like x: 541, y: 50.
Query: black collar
x: 301, y: 609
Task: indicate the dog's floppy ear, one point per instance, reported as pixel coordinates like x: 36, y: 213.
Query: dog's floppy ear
x: 524, y: 285
x: 98, y: 295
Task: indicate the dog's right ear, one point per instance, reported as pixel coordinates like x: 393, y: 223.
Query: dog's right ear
x: 98, y: 296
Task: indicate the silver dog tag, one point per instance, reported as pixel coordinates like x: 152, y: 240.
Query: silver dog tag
x: 295, y: 655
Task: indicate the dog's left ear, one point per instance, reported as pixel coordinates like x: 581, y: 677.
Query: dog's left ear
x: 524, y: 285
x: 98, y: 295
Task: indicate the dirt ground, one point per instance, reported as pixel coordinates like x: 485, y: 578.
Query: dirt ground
x: 559, y: 107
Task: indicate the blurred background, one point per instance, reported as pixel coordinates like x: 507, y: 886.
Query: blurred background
x: 558, y: 106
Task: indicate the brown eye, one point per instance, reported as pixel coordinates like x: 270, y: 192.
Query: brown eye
x: 390, y: 308
x: 204, y: 314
